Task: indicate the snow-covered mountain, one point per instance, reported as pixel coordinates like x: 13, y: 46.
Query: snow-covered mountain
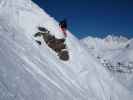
x: 115, y: 54
x: 32, y: 72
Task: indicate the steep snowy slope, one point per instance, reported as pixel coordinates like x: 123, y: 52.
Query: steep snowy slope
x: 116, y: 54
x: 32, y: 72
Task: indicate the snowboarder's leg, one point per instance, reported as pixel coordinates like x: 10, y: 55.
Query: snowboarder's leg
x: 46, y: 37
x: 51, y: 39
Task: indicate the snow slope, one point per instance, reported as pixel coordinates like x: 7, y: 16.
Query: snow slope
x: 32, y: 72
x: 116, y: 54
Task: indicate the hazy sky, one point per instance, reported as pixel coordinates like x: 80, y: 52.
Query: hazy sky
x: 93, y: 17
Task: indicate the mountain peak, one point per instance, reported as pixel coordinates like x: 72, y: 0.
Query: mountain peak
x: 116, y: 38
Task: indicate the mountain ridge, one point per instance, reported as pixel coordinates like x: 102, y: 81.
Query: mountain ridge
x: 116, y: 56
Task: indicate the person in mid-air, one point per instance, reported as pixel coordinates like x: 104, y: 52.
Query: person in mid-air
x: 63, y: 26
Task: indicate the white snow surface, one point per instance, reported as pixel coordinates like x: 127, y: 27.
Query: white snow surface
x: 32, y: 72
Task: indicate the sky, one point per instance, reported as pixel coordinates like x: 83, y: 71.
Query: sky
x: 93, y: 17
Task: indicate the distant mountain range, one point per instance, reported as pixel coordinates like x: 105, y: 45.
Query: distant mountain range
x: 115, y: 54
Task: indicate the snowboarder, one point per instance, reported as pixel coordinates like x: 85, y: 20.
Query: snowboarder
x: 63, y: 26
x: 54, y: 43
